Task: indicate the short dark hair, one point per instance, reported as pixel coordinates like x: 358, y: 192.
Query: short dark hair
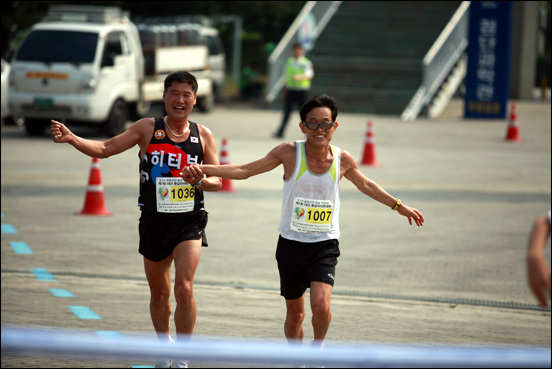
x: 181, y: 77
x: 319, y: 101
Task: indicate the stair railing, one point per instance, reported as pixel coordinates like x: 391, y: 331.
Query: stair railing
x: 440, y: 60
x: 320, y: 12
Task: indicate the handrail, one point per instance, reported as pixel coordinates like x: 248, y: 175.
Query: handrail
x: 322, y: 12
x: 440, y: 59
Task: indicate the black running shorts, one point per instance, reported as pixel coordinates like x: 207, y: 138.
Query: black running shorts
x: 300, y: 263
x: 160, y: 233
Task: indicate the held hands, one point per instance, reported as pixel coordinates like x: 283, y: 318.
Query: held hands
x: 59, y: 132
x: 192, y: 174
x: 411, y: 214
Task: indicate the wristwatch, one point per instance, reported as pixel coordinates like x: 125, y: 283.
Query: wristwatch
x: 396, y: 206
x: 198, y: 184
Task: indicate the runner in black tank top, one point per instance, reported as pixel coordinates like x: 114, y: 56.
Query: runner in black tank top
x: 165, y: 158
x: 173, y: 219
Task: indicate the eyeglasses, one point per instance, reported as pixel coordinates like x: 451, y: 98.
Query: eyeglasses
x: 315, y: 125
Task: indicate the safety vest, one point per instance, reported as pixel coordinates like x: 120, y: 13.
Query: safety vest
x: 297, y: 67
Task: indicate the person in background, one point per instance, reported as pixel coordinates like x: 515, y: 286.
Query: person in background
x: 538, y: 273
x: 299, y: 73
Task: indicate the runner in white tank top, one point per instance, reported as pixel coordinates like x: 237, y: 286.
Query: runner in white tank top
x: 310, y: 207
x: 307, y: 248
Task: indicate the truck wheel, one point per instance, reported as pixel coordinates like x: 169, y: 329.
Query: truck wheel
x: 206, y: 103
x: 35, y: 127
x: 117, y: 119
x: 141, y: 109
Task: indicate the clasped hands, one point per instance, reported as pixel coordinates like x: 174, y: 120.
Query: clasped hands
x: 192, y: 174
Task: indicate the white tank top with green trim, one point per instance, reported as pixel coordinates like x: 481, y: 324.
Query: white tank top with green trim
x: 310, y: 206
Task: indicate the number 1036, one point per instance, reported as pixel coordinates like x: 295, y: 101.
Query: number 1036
x: 182, y: 193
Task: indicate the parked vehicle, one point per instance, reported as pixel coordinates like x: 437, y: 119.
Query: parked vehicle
x: 92, y: 65
x: 217, y: 58
x: 5, y: 73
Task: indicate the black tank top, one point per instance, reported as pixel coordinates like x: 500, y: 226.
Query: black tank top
x: 162, y: 189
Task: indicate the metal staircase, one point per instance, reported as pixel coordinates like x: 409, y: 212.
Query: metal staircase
x: 368, y: 54
x: 445, y: 61
x: 306, y: 28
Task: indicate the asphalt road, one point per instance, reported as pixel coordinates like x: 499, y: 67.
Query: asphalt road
x: 459, y: 279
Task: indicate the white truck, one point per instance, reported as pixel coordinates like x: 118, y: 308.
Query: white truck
x: 87, y: 65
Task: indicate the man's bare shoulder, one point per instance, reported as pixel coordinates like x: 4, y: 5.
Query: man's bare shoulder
x: 347, y: 159
x: 143, y: 125
x: 204, y: 130
x: 201, y: 127
x: 347, y: 163
x: 284, y: 153
x: 288, y: 146
x: 142, y: 130
x: 284, y: 149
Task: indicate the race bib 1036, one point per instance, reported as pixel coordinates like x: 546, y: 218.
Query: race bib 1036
x: 174, y: 195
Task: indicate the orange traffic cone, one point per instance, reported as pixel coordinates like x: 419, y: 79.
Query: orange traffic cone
x: 94, y: 201
x: 513, y: 130
x: 369, y: 156
x: 226, y: 183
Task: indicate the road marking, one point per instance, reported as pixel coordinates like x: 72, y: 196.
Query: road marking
x: 8, y: 228
x: 59, y: 292
x: 84, y: 312
x: 42, y: 274
x: 21, y: 248
x: 110, y: 334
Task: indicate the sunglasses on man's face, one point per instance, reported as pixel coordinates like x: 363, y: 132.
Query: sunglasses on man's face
x: 315, y: 125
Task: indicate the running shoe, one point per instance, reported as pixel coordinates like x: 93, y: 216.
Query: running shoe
x: 164, y: 363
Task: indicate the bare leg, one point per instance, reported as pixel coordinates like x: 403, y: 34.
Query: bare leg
x: 158, y: 274
x: 186, y: 258
x: 320, y: 296
x: 295, y: 314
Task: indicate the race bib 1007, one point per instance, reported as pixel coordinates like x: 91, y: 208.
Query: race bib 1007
x: 311, y: 216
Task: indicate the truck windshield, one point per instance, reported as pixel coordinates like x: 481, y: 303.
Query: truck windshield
x: 59, y: 46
